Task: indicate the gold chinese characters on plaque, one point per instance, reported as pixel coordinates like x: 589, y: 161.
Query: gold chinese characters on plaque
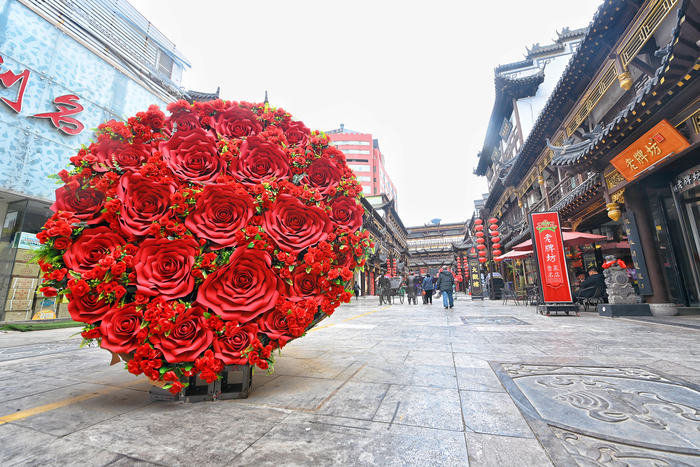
x: 658, y: 143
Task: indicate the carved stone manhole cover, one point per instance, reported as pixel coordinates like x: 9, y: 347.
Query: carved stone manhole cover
x: 604, y: 416
x: 493, y: 320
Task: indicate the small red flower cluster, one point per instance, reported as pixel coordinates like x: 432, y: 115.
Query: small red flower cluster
x: 207, y: 238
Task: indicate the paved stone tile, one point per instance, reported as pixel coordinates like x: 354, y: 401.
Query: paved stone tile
x: 413, y: 375
x: 313, y: 440
x: 424, y: 407
x: 463, y: 360
x: 493, y: 413
x: 355, y: 400
x: 182, y: 434
x: 48, y: 396
x: 16, y: 385
x: 321, y: 367
x: 478, y: 379
x: 22, y: 447
x: 292, y: 392
x: 500, y: 451
x: 421, y: 357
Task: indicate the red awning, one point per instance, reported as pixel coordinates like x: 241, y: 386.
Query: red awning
x: 570, y: 239
x: 516, y: 254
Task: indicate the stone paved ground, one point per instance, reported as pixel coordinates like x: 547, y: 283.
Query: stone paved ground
x: 481, y: 385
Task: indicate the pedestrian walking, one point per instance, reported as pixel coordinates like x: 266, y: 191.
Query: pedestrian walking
x: 411, y: 288
x: 356, y: 288
x: 428, y: 289
x: 419, y: 287
x: 445, y: 282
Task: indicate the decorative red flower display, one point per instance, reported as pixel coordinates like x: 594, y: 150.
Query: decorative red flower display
x: 204, y: 239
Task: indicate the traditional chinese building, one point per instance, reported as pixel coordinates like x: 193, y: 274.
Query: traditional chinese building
x: 433, y: 247
x: 614, y: 150
x: 390, y: 237
x: 65, y: 67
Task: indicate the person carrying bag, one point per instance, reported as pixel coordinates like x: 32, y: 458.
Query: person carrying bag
x: 428, y: 289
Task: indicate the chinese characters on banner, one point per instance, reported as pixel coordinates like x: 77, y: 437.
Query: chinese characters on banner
x: 473, y: 271
x: 640, y: 266
x: 657, y: 144
x: 67, y: 105
x: 551, y: 259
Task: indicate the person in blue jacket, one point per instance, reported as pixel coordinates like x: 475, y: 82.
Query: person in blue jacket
x: 428, y: 287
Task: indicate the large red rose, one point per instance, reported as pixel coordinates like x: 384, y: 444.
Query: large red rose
x: 323, y: 175
x: 220, y: 211
x: 120, y: 328
x: 274, y: 325
x: 188, y: 338
x: 297, y: 134
x: 181, y: 121
x: 295, y: 226
x: 260, y: 161
x: 230, y: 347
x: 87, y: 308
x: 163, y: 267
x: 243, y: 289
x: 85, y: 204
x: 345, y: 212
x: 113, y: 154
x: 193, y: 156
x: 235, y: 122
x: 304, y: 286
x: 90, y: 247
x: 144, y: 201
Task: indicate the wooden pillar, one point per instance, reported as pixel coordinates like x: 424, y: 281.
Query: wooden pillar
x: 636, y: 200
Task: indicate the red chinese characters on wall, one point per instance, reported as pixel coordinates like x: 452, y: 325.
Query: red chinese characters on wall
x: 67, y: 105
x: 551, y: 257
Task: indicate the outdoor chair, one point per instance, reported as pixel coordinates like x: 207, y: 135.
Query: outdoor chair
x: 532, y: 296
x: 600, y: 296
x: 508, y: 294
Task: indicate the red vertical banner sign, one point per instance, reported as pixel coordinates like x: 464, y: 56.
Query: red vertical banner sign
x: 551, y: 258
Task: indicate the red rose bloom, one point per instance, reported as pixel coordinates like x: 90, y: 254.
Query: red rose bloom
x: 61, y: 243
x: 230, y: 347
x: 112, y: 153
x: 163, y: 267
x: 87, y: 308
x: 295, y: 226
x: 192, y: 155
x: 182, y: 121
x: 345, y: 212
x: 297, y: 134
x: 323, y: 175
x: 274, y: 325
x: 188, y: 337
x: 88, y: 249
x: 235, y: 122
x: 85, y: 204
x: 243, y: 289
x: 260, y: 161
x: 218, y: 213
x: 143, y: 202
x: 304, y: 286
x: 120, y: 328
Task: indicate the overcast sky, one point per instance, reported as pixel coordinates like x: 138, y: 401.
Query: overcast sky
x: 418, y: 76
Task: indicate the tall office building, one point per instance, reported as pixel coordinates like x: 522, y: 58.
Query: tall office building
x: 366, y: 160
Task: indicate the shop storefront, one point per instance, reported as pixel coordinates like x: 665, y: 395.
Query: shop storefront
x: 56, y: 85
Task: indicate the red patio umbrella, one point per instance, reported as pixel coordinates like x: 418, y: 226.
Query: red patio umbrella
x: 570, y: 239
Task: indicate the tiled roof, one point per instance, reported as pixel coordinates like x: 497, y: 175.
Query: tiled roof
x: 537, y: 49
x: 593, y: 181
x: 196, y: 96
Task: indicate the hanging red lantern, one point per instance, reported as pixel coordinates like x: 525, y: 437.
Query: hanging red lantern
x: 482, y: 253
x: 493, y: 227
x: 480, y: 240
x: 498, y: 259
x: 497, y: 252
x: 480, y: 234
x: 494, y: 233
x: 481, y: 247
x: 493, y: 220
x: 479, y: 227
x: 482, y: 260
x: 495, y: 239
x: 496, y: 245
x: 478, y: 221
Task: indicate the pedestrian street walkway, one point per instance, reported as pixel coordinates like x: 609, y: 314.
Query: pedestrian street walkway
x: 412, y: 385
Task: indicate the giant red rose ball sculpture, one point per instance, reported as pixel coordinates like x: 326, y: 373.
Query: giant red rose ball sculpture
x: 204, y: 239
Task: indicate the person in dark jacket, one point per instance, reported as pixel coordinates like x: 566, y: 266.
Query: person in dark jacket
x: 446, y: 281
x: 428, y: 287
x: 592, y: 282
x: 411, y: 288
